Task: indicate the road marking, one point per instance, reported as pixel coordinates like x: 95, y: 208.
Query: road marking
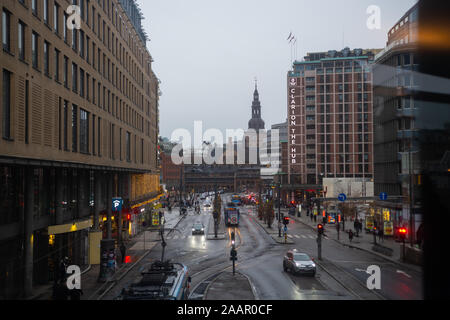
x: 360, y: 270
x: 297, y: 236
x: 404, y: 273
x: 311, y: 237
x: 175, y: 237
x: 290, y: 236
x: 303, y: 236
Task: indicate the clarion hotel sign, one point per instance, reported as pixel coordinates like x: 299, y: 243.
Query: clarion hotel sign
x: 294, y: 122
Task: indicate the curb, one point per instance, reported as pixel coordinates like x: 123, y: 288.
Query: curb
x: 209, y: 285
x: 366, y: 250
x: 274, y: 235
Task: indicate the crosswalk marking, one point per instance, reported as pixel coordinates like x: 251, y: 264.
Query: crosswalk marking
x: 297, y: 236
x: 303, y: 236
x: 290, y: 236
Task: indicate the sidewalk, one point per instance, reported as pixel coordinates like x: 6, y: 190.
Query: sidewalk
x: 364, y: 242
x: 229, y: 287
x: 137, y: 249
x: 273, y: 231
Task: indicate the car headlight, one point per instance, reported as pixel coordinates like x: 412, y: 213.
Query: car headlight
x: 193, y: 229
x: 313, y: 265
x: 202, y: 229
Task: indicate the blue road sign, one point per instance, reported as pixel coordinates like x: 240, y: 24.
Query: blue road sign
x: 342, y: 197
x: 383, y: 196
x: 117, y: 204
x: 285, y: 228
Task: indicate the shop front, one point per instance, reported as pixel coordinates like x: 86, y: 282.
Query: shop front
x: 68, y: 240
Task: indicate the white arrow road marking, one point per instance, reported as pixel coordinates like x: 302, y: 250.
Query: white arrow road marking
x: 360, y: 270
x: 404, y: 273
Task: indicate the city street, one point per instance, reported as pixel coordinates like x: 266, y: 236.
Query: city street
x: 340, y: 275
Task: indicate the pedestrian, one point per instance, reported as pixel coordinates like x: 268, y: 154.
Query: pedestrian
x: 350, y: 235
x: 62, y: 269
x: 123, y: 250
x: 356, y: 226
x: 380, y: 234
x: 315, y: 217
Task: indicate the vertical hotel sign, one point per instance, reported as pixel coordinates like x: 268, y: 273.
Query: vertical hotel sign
x: 294, y: 122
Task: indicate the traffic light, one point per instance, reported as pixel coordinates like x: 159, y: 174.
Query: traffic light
x: 320, y: 229
x: 285, y: 221
x: 128, y: 217
x: 402, y: 232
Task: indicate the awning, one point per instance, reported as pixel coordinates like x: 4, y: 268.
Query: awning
x: 70, y: 227
x: 148, y: 201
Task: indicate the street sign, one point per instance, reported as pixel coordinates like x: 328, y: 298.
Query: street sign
x: 285, y: 228
x: 117, y: 204
x: 342, y: 197
x: 383, y: 196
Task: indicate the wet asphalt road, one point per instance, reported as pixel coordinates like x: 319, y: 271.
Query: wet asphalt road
x: 260, y: 258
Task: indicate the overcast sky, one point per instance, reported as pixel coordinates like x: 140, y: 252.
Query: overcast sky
x: 208, y: 52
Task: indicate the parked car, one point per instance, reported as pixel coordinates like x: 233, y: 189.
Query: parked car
x: 198, y: 228
x: 298, y: 263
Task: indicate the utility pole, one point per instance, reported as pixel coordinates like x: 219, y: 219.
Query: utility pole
x: 279, y: 209
x: 411, y: 201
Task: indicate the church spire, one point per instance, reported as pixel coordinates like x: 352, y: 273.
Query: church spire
x: 256, y: 122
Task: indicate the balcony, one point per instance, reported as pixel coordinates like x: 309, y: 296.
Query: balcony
x: 407, y: 134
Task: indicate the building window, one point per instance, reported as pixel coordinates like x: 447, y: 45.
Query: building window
x: 120, y: 144
x: 99, y: 130
x: 82, y: 9
x: 6, y: 29
x: 56, y: 65
x: 6, y: 110
x: 56, y: 18
x: 34, y: 49
x: 93, y: 134
x: 81, y: 82
x: 21, y: 40
x: 65, y: 27
x: 82, y: 43
x: 74, y: 77
x: 84, y: 131
x: 74, y: 128
x: 74, y: 39
x: 34, y: 6
x: 87, y: 49
x: 46, y: 12
x: 112, y: 141
x: 66, y: 121
x: 87, y: 86
x: 46, y: 58
x: 128, y: 146
x: 66, y: 71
